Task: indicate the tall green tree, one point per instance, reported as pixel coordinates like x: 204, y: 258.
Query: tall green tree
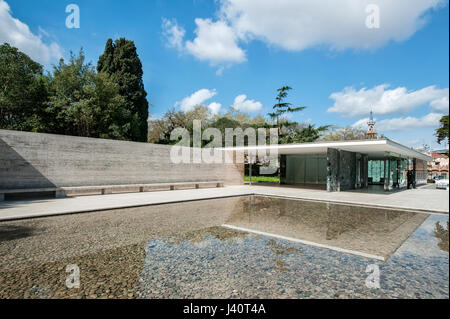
x: 442, y: 131
x: 23, y: 90
x: 293, y: 132
x: 281, y: 107
x: 84, y: 103
x: 121, y: 61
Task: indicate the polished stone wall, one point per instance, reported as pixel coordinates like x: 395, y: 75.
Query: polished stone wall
x: 333, y: 158
x: 347, y: 170
x: 342, y: 170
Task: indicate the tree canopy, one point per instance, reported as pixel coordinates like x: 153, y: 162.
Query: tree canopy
x: 442, y: 131
x: 344, y: 134
x: 75, y: 99
x: 281, y: 107
x: 121, y: 62
x: 23, y: 90
x: 85, y: 103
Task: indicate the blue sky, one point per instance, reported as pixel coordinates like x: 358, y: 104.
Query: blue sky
x: 337, y: 66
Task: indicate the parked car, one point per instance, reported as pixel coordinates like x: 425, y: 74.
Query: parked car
x: 442, y: 183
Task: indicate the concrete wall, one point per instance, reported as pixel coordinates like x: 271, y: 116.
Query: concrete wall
x: 30, y: 160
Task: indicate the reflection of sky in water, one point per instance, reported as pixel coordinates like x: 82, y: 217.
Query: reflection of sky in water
x: 423, y: 243
x: 255, y: 266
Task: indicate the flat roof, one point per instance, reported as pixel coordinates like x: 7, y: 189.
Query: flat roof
x: 376, y: 149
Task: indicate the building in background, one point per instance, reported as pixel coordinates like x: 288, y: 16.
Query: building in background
x: 346, y: 165
x: 371, y: 133
x: 375, y: 163
x: 438, y: 166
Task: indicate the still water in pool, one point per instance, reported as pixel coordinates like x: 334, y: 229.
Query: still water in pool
x: 291, y: 249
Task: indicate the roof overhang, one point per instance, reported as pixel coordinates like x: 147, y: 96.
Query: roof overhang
x: 376, y: 149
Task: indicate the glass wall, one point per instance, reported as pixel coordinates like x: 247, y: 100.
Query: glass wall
x: 306, y: 169
x: 376, y: 172
x: 392, y: 172
x: 421, y: 172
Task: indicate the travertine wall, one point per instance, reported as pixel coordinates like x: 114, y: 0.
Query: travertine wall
x: 30, y: 160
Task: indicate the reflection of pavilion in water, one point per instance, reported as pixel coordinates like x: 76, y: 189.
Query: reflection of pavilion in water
x: 368, y: 230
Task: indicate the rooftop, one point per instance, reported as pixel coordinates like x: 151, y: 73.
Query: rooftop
x: 376, y: 149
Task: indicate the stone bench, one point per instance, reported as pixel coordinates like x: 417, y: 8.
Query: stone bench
x: 61, y: 192
x: 137, y: 188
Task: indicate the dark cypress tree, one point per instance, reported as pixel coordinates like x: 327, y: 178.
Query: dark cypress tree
x: 121, y: 61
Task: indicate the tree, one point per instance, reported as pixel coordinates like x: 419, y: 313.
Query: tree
x: 121, y: 61
x: 441, y: 233
x: 293, y: 132
x: 84, y: 103
x: 160, y: 129
x: 442, y: 131
x: 283, y: 107
x: 223, y: 123
x: 23, y: 90
x: 348, y: 133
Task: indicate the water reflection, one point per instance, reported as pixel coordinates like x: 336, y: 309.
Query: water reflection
x: 198, y: 236
x: 442, y: 235
x: 181, y: 251
x: 240, y: 265
x: 279, y: 250
x: 367, y: 230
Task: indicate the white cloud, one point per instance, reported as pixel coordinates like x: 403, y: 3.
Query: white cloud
x: 215, y: 107
x: 196, y: 98
x: 297, y: 25
x: 300, y: 24
x: 382, y: 100
x: 215, y: 42
x: 403, y: 123
x: 173, y: 33
x: 440, y: 104
x: 242, y: 104
x: 18, y: 34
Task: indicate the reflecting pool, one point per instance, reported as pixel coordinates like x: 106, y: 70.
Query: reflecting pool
x: 239, y: 247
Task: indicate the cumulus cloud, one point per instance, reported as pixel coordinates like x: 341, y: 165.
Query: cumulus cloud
x: 300, y: 24
x: 197, y: 98
x: 215, y: 107
x: 383, y: 100
x: 18, y: 34
x: 440, y: 104
x: 173, y: 33
x: 215, y: 42
x: 403, y: 123
x: 242, y: 104
x: 297, y: 25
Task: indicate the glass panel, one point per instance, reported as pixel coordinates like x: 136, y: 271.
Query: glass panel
x: 393, y: 180
x: 376, y: 172
x: 358, y: 172
x: 403, y: 173
x: 291, y: 168
x: 311, y: 170
x: 300, y: 172
x: 322, y: 178
x: 306, y: 169
x: 421, y: 172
